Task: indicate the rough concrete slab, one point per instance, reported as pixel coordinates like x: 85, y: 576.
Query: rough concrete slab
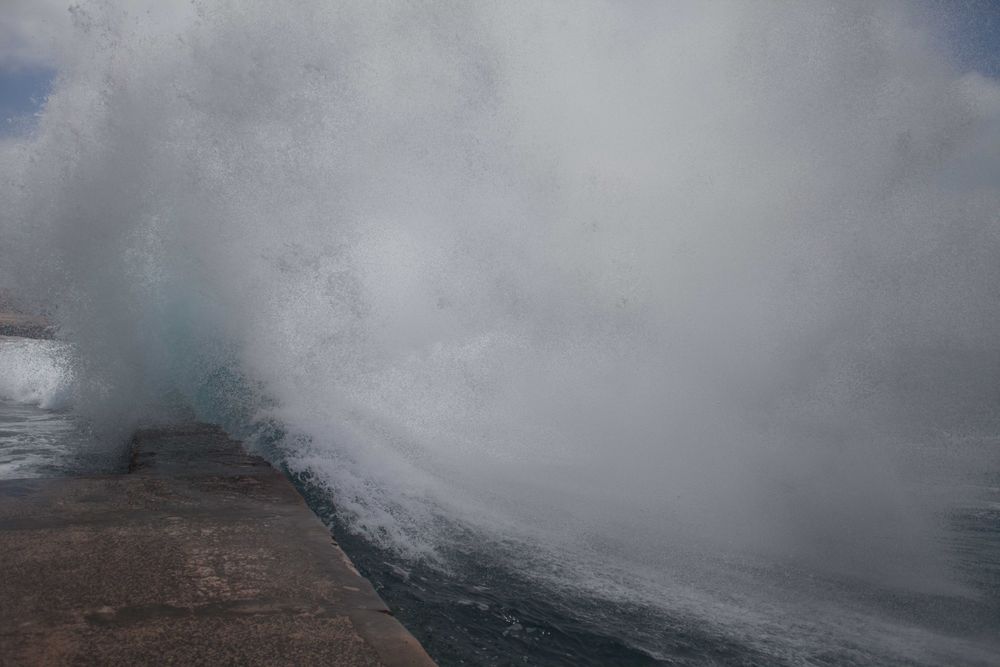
x: 200, y: 555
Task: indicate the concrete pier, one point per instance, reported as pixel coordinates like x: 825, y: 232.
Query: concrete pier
x: 200, y: 555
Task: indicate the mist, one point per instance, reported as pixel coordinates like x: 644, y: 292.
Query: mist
x: 643, y: 282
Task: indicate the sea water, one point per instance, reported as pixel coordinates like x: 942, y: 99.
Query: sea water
x: 40, y: 436
x: 607, y: 332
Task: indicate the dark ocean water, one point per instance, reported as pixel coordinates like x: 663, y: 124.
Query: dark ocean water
x: 482, y: 609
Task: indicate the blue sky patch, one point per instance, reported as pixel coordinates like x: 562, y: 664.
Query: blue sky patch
x: 22, y: 94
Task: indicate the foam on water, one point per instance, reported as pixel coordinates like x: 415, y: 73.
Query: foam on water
x: 39, y: 435
x: 636, y: 284
x: 36, y: 372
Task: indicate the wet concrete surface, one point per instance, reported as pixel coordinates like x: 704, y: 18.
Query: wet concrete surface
x: 200, y: 555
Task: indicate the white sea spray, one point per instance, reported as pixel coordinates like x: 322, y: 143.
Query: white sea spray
x: 633, y: 281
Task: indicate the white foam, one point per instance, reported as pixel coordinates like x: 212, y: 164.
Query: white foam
x: 37, y: 372
x: 603, y: 281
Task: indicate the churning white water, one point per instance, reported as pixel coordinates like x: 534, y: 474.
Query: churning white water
x: 35, y: 372
x: 39, y: 437
x: 633, y: 289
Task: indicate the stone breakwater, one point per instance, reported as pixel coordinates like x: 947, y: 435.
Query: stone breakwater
x: 200, y: 554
